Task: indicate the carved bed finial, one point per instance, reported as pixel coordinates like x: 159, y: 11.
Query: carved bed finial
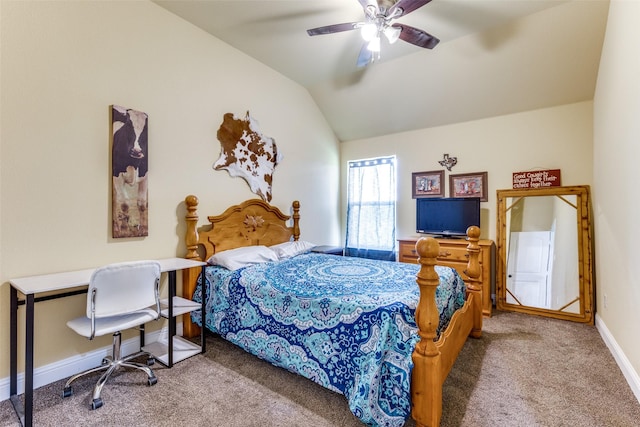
x: 191, y: 238
x: 296, y: 219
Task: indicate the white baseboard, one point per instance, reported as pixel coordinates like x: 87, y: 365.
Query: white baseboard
x: 625, y: 366
x: 65, y: 368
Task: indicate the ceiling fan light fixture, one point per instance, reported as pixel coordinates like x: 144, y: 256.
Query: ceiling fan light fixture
x: 374, y: 45
x: 369, y: 31
x: 378, y: 15
x: 392, y: 33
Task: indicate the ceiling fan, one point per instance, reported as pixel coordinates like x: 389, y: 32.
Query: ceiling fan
x: 378, y: 17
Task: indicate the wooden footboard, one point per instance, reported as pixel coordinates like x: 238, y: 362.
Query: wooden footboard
x: 433, y: 359
x: 255, y: 222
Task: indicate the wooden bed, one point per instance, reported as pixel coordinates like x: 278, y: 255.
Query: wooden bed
x: 256, y: 222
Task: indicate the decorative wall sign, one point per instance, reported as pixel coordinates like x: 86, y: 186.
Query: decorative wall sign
x: 427, y: 184
x: 246, y: 153
x: 129, y: 164
x: 537, y: 179
x: 469, y: 185
x: 448, y: 162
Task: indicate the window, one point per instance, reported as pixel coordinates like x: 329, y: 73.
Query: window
x: 371, y: 208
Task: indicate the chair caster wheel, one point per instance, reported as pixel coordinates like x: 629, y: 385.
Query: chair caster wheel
x: 152, y: 381
x: 68, y: 391
x: 151, y: 361
x: 96, y: 403
x: 105, y: 361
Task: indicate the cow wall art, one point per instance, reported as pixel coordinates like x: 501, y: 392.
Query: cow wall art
x: 129, y: 161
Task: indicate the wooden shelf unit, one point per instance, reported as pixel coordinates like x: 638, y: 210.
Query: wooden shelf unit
x: 453, y: 253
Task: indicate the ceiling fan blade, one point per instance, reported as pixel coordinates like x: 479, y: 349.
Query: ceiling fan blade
x: 406, y: 6
x: 417, y: 37
x: 365, y: 57
x: 335, y: 28
x: 367, y: 3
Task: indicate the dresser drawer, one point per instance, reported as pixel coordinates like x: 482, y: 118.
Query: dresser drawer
x: 453, y: 253
x: 407, y: 252
x: 452, y: 256
x: 458, y: 266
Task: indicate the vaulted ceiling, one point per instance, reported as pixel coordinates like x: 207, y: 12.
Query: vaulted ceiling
x: 495, y: 57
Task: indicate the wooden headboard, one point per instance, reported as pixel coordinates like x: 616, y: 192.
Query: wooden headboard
x: 252, y: 222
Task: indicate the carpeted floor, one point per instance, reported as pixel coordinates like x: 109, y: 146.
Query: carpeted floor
x: 525, y: 371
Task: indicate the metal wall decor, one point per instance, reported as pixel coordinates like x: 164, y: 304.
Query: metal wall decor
x: 448, y: 162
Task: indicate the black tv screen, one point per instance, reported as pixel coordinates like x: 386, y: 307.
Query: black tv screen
x: 448, y: 217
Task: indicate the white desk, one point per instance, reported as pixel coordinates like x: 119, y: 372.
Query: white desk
x: 62, y: 283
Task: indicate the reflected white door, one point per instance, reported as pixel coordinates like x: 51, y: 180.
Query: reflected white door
x: 529, y: 268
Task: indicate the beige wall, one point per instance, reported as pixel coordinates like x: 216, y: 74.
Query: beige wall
x: 551, y: 138
x: 63, y: 64
x: 616, y: 194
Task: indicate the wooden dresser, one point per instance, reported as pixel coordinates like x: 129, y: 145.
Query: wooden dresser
x: 453, y: 253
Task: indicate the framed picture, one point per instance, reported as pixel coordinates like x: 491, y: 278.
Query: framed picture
x: 427, y: 184
x: 469, y: 185
x: 130, y: 164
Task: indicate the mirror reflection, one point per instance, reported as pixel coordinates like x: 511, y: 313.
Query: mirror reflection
x: 544, y: 252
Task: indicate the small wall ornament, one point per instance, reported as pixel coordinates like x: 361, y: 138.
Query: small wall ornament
x: 448, y: 162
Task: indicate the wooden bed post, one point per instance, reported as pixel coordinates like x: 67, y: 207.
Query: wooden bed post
x: 296, y: 220
x: 426, y: 384
x: 190, y: 275
x: 191, y: 236
x: 473, y: 284
x: 432, y: 360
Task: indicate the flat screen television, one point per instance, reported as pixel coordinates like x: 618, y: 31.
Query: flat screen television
x: 447, y: 217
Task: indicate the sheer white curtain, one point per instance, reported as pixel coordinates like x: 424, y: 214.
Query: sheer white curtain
x: 371, y: 208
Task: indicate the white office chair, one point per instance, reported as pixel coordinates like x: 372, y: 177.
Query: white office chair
x: 120, y: 296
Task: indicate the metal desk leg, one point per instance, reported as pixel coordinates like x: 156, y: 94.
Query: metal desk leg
x: 142, y: 331
x: 28, y: 367
x: 23, y: 410
x: 172, y: 320
x: 203, y: 314
x: 13, y: 356
x: 13, y: 342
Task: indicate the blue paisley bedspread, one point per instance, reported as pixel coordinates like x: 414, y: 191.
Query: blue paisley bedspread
x: 346, y: 323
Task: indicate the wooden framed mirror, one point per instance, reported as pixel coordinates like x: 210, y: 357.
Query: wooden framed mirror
x: 544, y: 253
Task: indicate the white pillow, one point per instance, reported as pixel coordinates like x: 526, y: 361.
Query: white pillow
x: 290, y: 249
x: 234, y: 259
